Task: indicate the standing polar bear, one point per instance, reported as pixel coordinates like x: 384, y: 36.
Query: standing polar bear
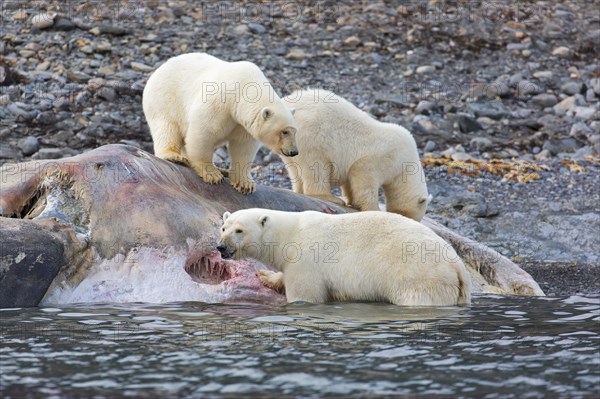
x: 196, y: 102
x: 365, y: 256
x: 342, y: 146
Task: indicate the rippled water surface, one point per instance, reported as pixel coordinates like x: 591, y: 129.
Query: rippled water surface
x: 499, y: 347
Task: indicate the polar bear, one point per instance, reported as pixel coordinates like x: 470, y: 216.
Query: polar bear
x: 196, y: 102
x: 362, y: 256
x: 342, y: 146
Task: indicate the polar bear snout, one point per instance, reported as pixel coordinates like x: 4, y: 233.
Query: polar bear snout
x: 226, y: 252
x: 292, y: 153
x: 287, y: 142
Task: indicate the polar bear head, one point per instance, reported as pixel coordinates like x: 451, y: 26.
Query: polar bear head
x: 241, y: 234
x: 276, y: 128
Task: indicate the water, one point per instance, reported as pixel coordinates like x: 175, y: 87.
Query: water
x: 501, y: 347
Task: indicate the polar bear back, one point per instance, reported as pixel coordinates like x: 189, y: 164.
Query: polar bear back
x: 177, y: 86
x: 372, y: 256
x: 334, y: 129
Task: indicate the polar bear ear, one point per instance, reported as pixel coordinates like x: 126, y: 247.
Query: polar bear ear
x: 225, y: 216
x: 266, y: 113
x: 262, y: 220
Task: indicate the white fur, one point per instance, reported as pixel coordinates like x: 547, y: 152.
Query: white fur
x: 201, y: 102
x: 365, y: 256
x: 342, y: 146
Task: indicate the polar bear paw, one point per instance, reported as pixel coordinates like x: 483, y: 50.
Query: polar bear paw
x: 209, y: 173
x: 244, y: 186
x: 272, y: 280
x: 178, y: 159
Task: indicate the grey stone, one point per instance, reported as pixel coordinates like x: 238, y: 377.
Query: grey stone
x: 491, y: 109
x: 423, y: 125
x: 583, y: 152
x: 482, y: 210
x: 526, y: 88
x: 429, y: 146
x: 571, y: 88
x: 21, y: 113
x: 46, y: 118
x: 424, y: 107
x: 584, y: 113
x: 563, y: 52
x: 113, y: 30
x: 544, y: 100
x: 43, y: 20
x: 467, y: 124
x: 140, y: 67
x: 257, y: 28
x: 241, y: 30
x: 78, y: 76
x: 64, y: 24
x: 424, y: 69
x: 481, y: 144
x: 49, y: 153
x: 556, y: 146
x: 565, y: 105
x: 107, y: 93
x: 28, y: 145
x: 7, y: 153
x: 590, y: 96
x: 460, y: 156
x: 580, y: 129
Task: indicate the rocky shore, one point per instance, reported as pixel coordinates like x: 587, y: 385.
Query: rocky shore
x: 516, y: 81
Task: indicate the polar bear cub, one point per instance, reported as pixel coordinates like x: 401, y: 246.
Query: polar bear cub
x: 196, y: 102
x: 342, y: 146
x: 363, y: 256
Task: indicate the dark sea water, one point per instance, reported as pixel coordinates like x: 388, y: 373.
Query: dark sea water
x: 500, y: 347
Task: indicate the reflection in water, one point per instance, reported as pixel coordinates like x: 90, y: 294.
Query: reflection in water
x: 513, y: 347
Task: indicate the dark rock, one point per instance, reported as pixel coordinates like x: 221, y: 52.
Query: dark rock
x: 580, y: 129
x: 424, y: 107
x: 257, y: 28
x: 481, y: 144
x: 526, y: 88
x: 31, y: 255
x: 64, y: 24
x: 107, y: 93
x: 49, y: 153
x: 583, y: 152
x: 46, y: 118
x: 571, y: 88
x: 113, y: 30
x: 429, y: 146
x: 29, y: 145
x: 468, y: 124
x: 491, y: 109
x: 556, y: 146
x: 544, y: 100
x: 21, y: 113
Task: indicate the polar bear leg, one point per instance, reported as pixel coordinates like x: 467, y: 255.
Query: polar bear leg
x: 318, y: 186
x: 168, y: 142
x: 364, y: 187
x: 303, y: 285
x: 242, y: 150
x: 272, y: 280
x: 295, y: 175
x: 347, y: 193
x: 200, y: 147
